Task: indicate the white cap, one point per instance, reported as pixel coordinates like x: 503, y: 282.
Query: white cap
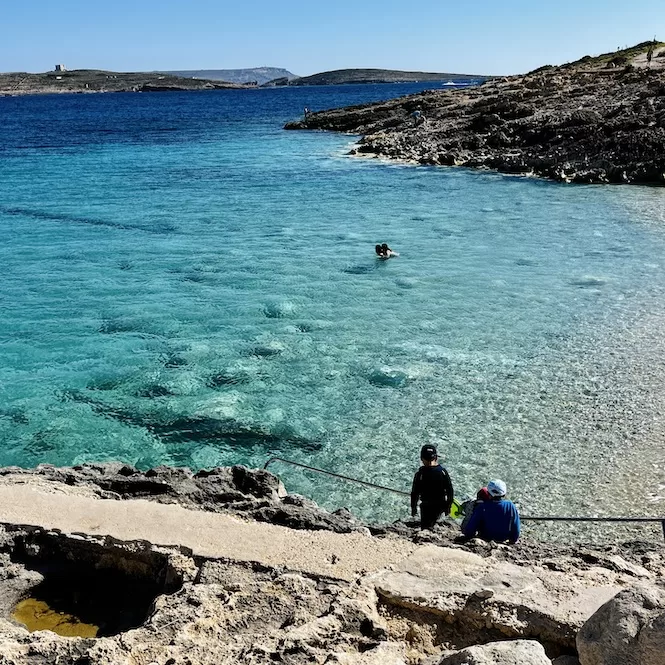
x: 497, y: 488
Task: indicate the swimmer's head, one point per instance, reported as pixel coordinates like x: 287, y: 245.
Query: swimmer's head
x: 377, y: 249
x: 385, y: 247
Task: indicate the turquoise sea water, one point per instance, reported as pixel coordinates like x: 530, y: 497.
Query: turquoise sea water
x: 186, y: 283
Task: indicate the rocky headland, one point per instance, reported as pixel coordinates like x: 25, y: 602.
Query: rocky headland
x: 357, y: 76
x: 597, y: 120
x: 109, y: 564
x: 95, y: 80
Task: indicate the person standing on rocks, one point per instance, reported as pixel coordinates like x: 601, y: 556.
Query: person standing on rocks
x: 433, y: 487
x: 418, y: 117
x: 496, y: 519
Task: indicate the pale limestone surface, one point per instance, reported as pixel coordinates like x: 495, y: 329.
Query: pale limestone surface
x: 516, y: 600
x: 514, y: 652
x: 341, y: 556
x: 258, y: 593
x: 386, y: 653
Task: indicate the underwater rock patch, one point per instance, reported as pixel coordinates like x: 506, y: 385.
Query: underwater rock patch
x: 199, y: 278
x: 153, y: 391
x: 222, y: 379
x: 588, y: 281
x: 16, y: 415
x: 279, y: 309
x: 105, y: 384
x: 359, y: 270
x: 405, y: 282
x: 388, y: 378
x: 266, y: 350
x: 181, y: 429
x: 120, y: 325
x: 173, y: 362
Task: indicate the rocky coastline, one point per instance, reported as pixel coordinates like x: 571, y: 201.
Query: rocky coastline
x: 597, y: 120
x: 441, y: 602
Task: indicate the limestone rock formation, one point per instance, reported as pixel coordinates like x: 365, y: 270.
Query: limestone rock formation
x: 206, y: 612
x: 627, y: 630
x: 583, y: 122
x: 432, y: 601
x: 253, y: 493
x: 515, y: 652
x: 483, y: 598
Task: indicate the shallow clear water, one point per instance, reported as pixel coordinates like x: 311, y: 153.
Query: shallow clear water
x: 186, y: 283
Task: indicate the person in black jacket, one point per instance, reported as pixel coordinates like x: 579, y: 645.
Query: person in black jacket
x: 433, y: 487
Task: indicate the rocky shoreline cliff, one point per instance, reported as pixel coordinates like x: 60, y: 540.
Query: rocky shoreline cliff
x: 225, y: 567
x: 598, y: 120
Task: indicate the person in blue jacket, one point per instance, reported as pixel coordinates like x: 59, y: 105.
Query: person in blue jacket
x: 496, y: 519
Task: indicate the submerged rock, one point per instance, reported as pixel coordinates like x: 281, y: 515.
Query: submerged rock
x: 279, y: 309
x: 174, y: 428
x: 390, y: 378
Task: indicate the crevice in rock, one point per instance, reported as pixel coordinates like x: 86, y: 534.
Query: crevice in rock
x: 65, y: 581
x: 428, y: 631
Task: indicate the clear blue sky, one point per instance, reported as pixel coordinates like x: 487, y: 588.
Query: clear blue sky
x: 481, y: 37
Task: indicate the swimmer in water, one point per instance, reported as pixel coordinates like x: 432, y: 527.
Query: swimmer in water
x: 386, y: 252
x: 381, y: 253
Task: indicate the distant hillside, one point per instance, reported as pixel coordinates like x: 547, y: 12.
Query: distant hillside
x: 260, y: 75
x: 96, y: 80
x: 344, y: 76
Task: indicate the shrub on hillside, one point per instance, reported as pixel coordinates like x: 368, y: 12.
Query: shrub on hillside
x: 618, y: 61
x: 544, y: 68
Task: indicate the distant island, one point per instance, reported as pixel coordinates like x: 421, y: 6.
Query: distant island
x: 96, y: 80
x: 597, y: 120
x: 256, y: 75
x: 350, y: 76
